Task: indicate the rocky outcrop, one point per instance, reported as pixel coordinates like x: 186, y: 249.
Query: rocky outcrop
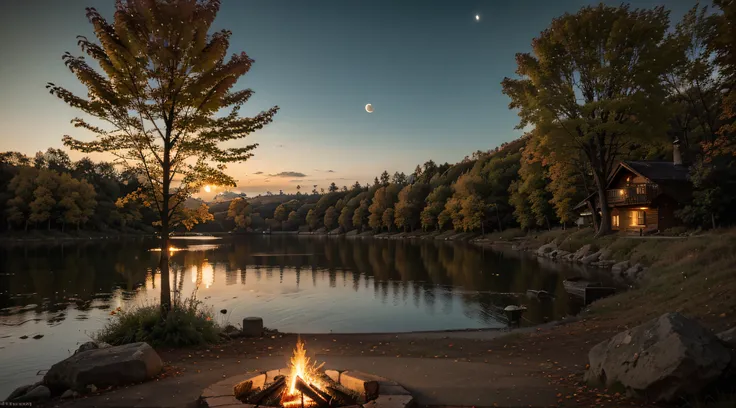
x: 546, y: 249
x: 588, y: 259
x: 29, y: 393
x: 663, y: 359
x: 581, y: 253
x: 104, y: 367
x: 728, y: 337
x: 620, y: 267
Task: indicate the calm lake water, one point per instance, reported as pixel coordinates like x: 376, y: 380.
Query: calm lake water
x: 297, y: 284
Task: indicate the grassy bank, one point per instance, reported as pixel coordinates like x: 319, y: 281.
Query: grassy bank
x: 693, y: 274
x: 58, y: 236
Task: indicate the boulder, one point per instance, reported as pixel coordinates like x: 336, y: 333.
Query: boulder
x: 605, y: 254
x: 22, y: 390
x: 90, y: 345
x: 633, y: 273
x: 546, y: 249
x: 663, y: 359
x: 37, y: 394
x: 620, y: 267
x: 69, y: 394
x: 104, y: 367
x: 591, y: 258
x: 728, y: 337
x: 582, y: 252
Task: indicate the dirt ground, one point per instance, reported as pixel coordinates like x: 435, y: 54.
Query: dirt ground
x: 558, y: 354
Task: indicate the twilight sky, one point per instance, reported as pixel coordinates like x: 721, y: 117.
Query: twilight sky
x: 431, y: 71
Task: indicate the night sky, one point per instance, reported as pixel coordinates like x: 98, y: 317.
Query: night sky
x: 431, y: 71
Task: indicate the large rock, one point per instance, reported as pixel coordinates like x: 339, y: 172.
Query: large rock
x: 728, y: 337
x: 37, y: 394
x: 22, y: 390
x: 582, y: 253
x: 634, y: 272
x: 588, y: 259
x: 664, y: 359
x: 620, y: 267
x: 546, y: 249
x: 104, y: 367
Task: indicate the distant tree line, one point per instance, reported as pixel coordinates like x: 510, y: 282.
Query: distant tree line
x: 50, y: 191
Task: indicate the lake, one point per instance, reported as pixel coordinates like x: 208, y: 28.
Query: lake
x: 65, y: 292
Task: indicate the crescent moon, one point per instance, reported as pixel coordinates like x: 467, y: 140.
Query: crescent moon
x: 369, y: 108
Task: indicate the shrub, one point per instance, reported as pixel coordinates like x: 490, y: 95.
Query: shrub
x: 188, y: 323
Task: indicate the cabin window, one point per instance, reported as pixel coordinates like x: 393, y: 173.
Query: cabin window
x: 641, y: 189
x: 641, y: 218
x: 615, y: 221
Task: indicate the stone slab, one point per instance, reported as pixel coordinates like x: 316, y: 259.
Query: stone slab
x: 334, y: 375
x: 391, y: 401
x: 355, y: 380
x: 392, y: 390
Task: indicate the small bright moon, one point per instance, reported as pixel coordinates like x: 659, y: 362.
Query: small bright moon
x: 369, y: 108
x: 477, y: 17
x: 207, y: 188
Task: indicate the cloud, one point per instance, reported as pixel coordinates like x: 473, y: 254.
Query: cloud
x: 330, y: 171
x: 288, y: 174
x: 258, y: 172
x: 281, y: 146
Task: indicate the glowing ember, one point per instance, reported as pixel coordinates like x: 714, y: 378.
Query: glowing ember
x: 303, y: 368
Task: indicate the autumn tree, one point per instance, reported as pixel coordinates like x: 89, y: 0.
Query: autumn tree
x: 330, y: 219
x: 388, y: 219
x: 361, y: 213
x: 312, y: 219
x: 593, y: 83
x: 333, y: 187
x: 158, y: 99
x: 43, y: 197
x: 239, y: 211
x: 435, y: 205
x: 410, y: 204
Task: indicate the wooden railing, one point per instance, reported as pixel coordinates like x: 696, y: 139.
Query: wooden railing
x: 633, y: 194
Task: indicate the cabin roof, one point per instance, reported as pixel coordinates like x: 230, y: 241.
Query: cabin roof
x: 656, y: 171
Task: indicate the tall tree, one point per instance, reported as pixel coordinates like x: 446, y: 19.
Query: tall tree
x: 43, y: 197
x: 385, y: 179
x: 593, y: 82
x: 333, y: 187
x: 330, y: 219
x: 163, y: 80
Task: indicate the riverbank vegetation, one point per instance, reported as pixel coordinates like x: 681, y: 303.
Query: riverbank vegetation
x: 187, y: 323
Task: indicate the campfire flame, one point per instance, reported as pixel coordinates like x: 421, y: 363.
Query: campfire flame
x: 301, y: 367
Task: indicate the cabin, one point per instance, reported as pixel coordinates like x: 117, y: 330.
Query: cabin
x: 644, y: 195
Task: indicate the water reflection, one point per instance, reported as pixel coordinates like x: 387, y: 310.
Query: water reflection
x: 296, y: 284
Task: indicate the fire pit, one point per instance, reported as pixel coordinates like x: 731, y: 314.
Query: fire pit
x: 305, y: 384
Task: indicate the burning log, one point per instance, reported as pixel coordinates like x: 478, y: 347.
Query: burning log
x: 341, y: 398
x: 242, y: 389
x: 308, y: 391
x: 276, y: 386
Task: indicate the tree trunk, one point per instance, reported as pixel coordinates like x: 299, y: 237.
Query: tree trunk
x: 605, y: 224
x: 713, y: 219
x: 48, y: 224
x: 164, y: 262
x: 549, y: 228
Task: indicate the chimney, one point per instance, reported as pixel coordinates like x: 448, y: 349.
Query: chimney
x: 676, y: 154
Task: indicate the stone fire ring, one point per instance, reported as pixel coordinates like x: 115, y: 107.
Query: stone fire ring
x: 390, y: 393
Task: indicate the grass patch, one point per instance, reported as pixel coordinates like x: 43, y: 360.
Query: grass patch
x: 188, y: 323
x: 693, y: 276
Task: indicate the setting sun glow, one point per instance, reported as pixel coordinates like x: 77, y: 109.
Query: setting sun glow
x: 208, y: 188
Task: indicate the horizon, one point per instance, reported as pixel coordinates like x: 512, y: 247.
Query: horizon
x: 322, y: 76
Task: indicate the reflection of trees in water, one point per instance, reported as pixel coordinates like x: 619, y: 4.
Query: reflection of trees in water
x: 433, y: 274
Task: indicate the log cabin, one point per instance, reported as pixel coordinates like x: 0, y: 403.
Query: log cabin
x: 644, y: 195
